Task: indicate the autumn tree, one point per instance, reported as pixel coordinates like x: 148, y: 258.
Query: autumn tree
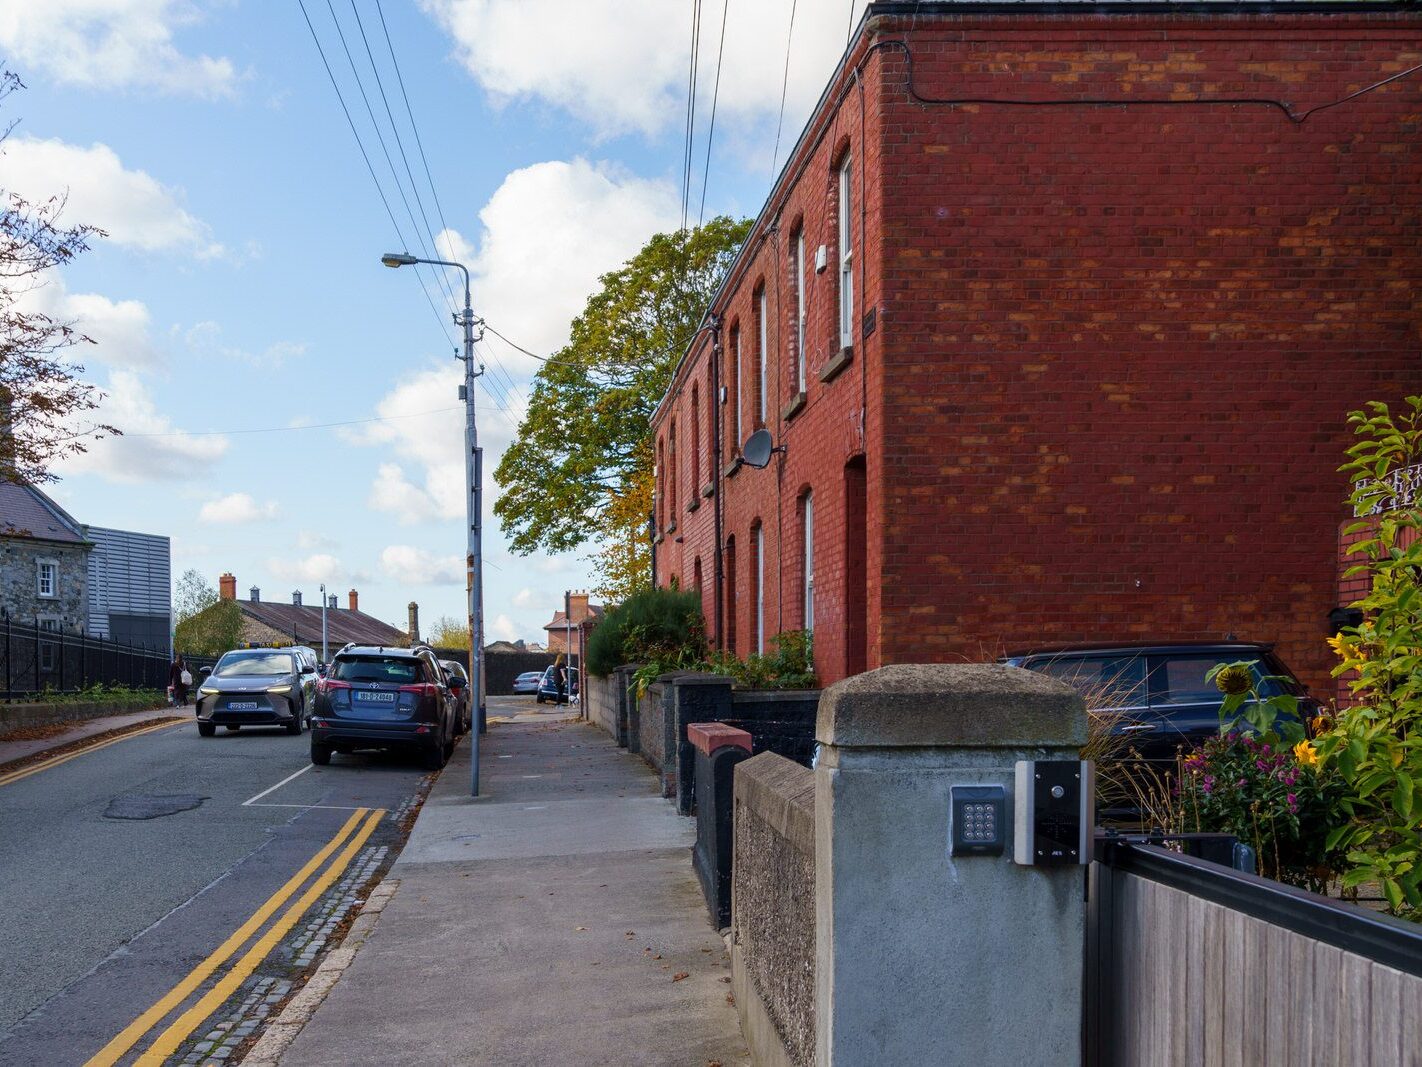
x: 194, y: 594
x: 40, y: 389
x: 580, y: 470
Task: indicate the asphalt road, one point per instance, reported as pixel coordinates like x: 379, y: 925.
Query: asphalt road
x: 124, y: 868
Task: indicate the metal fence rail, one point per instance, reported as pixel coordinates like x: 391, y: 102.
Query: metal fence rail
x: 35, y: 659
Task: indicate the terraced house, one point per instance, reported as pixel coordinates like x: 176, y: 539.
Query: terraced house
x: 1054, y: 317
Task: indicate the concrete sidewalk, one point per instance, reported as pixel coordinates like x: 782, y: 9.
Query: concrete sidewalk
x: 554, y: 920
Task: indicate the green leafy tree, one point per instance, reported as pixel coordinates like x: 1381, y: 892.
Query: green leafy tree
x: 449, y: 632
x: 583, y: 445
x: 211, y: 631
x: 193, y: 595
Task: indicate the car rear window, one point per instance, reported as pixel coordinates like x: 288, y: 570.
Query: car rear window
x: 394, y: 669
x: 1104, y: 681
x: 1181, y: 679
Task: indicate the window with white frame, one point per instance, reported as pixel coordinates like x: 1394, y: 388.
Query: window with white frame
x: 736, y: 356
x: 47, y: 579
x: 809, y: 561
x: 48, y: 650
x: 760, y: 589
x: 846, y: 256
x: 800, y: 309
x: 760, y: 357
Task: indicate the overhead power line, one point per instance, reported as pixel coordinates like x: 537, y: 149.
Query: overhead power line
x: 784, y: 84
x: 715, y: 95
x: 288, y: 429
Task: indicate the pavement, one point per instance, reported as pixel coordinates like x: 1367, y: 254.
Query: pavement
x: 82, y: 728
x: 554, y: 919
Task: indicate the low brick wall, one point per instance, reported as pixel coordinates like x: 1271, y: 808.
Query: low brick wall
x: 19, y: 716
x: 600, y: 702
x: 773, y: 909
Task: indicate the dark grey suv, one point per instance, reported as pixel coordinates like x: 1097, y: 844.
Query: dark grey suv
x: 257, y: 687
x: 385, y: 698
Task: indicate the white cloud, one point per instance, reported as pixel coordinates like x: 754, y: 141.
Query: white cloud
x: 119, y: 328
x: 525, y: 598
x: 235, y: 509
x: 620, y: 65
x: 131, y: 206
x: 395, y: 494
x: 549, y: 231
x: 312, y: 570
x: 152, y: 450
x: 416, y: 566
x: 307, y: 540
x: 501, y: 628
x: 111, y: 44
x: 205, y: 339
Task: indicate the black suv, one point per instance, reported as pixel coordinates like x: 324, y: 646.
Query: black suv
x: 376, y: 697
x: 1159, y: 690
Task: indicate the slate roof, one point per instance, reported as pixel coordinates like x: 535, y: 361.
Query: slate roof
x: 595, y: 612
x: 342, y: 624
x: 26, y: 512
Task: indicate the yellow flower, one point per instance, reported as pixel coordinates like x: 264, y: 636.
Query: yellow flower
x: 1234, y: 679
x: 1320, y: 724
x: 1306, y: 754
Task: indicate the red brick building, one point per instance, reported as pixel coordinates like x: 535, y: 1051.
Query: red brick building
x: 1058, y: 315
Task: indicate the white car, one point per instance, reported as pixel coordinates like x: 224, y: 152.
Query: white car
x: 527, y: 682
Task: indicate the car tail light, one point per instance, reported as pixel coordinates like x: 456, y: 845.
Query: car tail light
x: 424, y: 689
x: 329, y: 684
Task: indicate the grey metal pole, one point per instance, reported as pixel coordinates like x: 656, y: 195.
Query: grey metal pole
x: 325, y: 644
x: 473, y: 465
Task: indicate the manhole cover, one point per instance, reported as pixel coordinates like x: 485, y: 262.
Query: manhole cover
x: 153, y: 806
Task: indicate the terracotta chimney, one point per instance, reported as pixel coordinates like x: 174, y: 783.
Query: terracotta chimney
x: 355, y: 600
x: 414, y: 623
x: 227, y: 586
x: 578, y: 606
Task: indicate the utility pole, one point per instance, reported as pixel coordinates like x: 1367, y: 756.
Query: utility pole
x: 474, y: 479
x: 568, y: 638
x: 325, y: 649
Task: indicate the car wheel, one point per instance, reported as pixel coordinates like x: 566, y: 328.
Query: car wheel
x: 320, y: 754
x: 294, y: 727
x: 434, y: 757
x: 539, y: 698
x: 207, y: 729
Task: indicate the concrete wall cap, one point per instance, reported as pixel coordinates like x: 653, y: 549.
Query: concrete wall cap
x: 979, y: 705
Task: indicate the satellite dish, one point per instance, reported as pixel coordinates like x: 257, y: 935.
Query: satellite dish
x: 758, y: 449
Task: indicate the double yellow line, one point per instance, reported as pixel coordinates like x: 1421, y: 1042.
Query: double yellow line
x: 181, y: 1028
x: 44, y: 765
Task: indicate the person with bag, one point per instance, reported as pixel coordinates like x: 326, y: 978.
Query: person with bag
x: 179, y: 678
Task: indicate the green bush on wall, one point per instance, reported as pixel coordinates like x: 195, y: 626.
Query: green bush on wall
x: 650, y: 625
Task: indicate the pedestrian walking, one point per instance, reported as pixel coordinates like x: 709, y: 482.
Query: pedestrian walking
x: 179, y: 678
x: 560, y: 679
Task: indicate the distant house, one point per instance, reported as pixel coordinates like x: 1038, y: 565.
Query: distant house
x: 581, y: 617
x: 67, y: 576
x: 274, y: 622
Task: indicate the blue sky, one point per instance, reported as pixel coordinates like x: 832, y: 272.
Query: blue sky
x: 240, y: 286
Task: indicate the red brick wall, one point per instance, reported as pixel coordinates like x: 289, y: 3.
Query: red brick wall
x: 1105, y: 393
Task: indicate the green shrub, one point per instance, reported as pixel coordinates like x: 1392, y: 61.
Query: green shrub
x: 650, y: 626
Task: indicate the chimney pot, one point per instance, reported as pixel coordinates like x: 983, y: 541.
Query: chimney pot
x: 296, y: 597
x: 255, y: 594
x: 227, y: 586
x: 414, y: 623
x: 354, y: 600
x: 331, y: 602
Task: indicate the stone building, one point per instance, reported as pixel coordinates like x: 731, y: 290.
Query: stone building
x: 267, y: 622
x: 44, y: 561
x: 1054, y: 317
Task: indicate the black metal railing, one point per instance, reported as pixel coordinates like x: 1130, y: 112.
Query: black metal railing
x: 35, y: 659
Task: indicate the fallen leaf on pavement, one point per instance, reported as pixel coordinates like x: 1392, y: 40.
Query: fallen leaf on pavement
x: 727, y: 979
x: 580, y: 929
x: 680, y: 975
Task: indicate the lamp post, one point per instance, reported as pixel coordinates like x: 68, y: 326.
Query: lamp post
x: 474, y: 476
x: 325, y: 645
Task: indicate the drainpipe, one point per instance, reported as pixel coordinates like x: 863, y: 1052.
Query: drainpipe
x: 716, y: 463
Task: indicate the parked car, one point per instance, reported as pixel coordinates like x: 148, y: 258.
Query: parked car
x: 1159, y: 690
x: 459, y: 685
x: 527, y: 682
x: 384, y: 698
x: 257, y: 687
x: 548, y: 686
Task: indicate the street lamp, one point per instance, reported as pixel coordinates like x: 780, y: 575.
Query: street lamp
x: 474, y: 478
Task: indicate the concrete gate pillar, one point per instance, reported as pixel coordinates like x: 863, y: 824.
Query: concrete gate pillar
x: 922, y: 957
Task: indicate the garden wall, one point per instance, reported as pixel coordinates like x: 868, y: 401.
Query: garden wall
x: 17, y: 716
x: 773, y: 909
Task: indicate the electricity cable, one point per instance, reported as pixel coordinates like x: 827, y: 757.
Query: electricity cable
x: 784, y: 85
x: 711, y: 129
x: 370, y: 168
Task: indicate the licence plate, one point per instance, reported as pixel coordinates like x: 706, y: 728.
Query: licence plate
x: 374, y: 698
x: 243, y: 705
